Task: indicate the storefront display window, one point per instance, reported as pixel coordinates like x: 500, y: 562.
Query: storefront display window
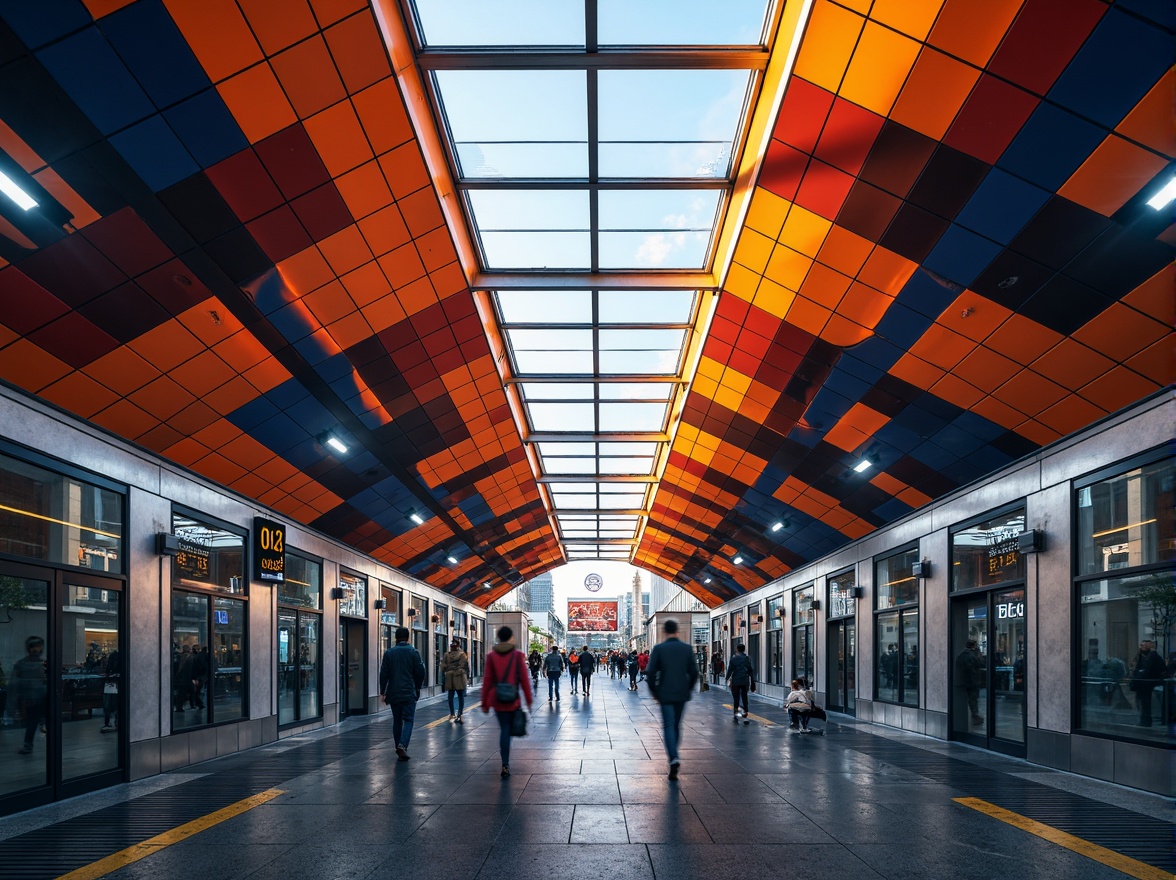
x: 774, y: 673
x: 841, y: 594
x: 802, y: 633
x: 60, y: 519
x: 209, y: 650
x: 354, y: 601
x: 1126, y: 593
x: 987, y: 554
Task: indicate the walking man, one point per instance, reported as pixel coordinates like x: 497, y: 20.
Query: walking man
x: 587, y: 667
x: 402, y: 672
x: 672, y: 675
x: 553, y: 665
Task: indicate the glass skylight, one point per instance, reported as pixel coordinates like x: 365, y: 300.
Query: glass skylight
x: 593, y: 148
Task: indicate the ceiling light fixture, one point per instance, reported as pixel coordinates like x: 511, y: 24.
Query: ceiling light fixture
x: 864, y: 465
x: 777, y: 526
x: 706, y: 580
x: 327, y: 438
x: 1159, y: 201
x: 452, y: 560
x: 738, y: 560
x: 416, y: 518
x: 9, y: 188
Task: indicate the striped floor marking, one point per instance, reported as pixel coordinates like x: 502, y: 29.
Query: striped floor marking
x: 759, y: 718
x: 1110, y: 858
x: 132, y: 854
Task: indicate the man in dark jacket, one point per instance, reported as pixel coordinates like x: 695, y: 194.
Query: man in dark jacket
x: 587, y: 667
x: 1146, y: 675
x: 672, y: 675
x: 741, y: 679
x: 402, y: 673
x: 553, y: 665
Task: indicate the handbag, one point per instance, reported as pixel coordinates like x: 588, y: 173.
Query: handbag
x: 518, y: 722
x: 508, y: 692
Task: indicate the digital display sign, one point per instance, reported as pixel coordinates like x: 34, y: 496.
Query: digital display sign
x: 592, y: 615
x: 269, y: 551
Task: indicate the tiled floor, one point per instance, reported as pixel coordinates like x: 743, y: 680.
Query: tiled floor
x: 588, y: 798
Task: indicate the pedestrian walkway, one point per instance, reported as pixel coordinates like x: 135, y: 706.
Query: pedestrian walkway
x: 588, y: 798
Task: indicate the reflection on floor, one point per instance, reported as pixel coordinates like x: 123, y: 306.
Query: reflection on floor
x: 588, y: 797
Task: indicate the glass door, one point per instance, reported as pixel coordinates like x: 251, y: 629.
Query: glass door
x: 61, y: 685
x: 842, y: 665
x: 988, y: 670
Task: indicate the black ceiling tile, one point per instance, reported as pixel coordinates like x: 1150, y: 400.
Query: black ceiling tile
x: 83, y: 172
x: 881, y: 400
x: 73, y: 270
x: 239, y: 256
x: 1064, y: 305
x: 913, y: 232
x: 126, y: 312
x: 864, y: 499
x: 914, y: 473
x: 1011, y: 279
x: 867, y: 210
x: 1059, y: 232
x: 199, y: 208
x: 1013, y: 445
x: 897, y: 158
x: 34, y: 106
x: 1120, y: 260
x: 948, y: 182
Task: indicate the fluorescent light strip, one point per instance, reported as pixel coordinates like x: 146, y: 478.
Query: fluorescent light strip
x: 416, y: 518
x: 863, y: 465
x: 9, y: 188
x: 336, y: 444
x: 1160, y: 200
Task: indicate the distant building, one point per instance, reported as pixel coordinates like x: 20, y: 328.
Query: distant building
x: 539, y: 595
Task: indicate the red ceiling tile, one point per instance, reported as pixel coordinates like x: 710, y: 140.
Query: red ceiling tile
x: 292, y: 161
x: 823, y: 189
x: 782, y: 170
x: 245, y: 185
x: 1043, y: 40
x: 990, y: 119
x: 279, y: 234
x: 24, y: 304
x: 74, y: 340
x: 322, y: 211
x: 73, y: 270
x: 848, y: 136
x: 125, y: 240
x: 802, y: 115
x: 174, y: 286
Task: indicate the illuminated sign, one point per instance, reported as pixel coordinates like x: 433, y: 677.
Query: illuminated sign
x: 192, y: 559
x: 592, y: 615
x: 269, y: 551
x: 1010, y: 610
x: 593, y: 583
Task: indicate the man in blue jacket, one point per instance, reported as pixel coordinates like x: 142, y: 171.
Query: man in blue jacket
x: 553, y: 665
x: 672, y: 675
x: 402, y: 672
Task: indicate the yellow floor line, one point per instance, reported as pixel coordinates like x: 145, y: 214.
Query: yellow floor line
x: 154, y: 844
x: 758, y: 718
x: 442, y: 720
x: 1101, y: 854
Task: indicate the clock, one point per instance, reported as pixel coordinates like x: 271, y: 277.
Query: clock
x: 593, y: 583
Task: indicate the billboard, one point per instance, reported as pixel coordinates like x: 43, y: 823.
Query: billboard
x: 592, y: 615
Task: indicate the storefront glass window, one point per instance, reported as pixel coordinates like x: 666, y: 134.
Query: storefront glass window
x: 354, y: 601
x: 986, y: 553
x: 841, y: 600
x: 1127, y: 604
x: 57, y: 518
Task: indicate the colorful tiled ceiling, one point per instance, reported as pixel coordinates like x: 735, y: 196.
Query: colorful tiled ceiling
x: 259, y: 260
x: 946, y: 264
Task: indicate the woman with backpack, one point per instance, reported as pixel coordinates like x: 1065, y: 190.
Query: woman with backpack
x: 504, y: 683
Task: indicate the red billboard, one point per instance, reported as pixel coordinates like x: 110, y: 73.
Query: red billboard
x: 592, y: 615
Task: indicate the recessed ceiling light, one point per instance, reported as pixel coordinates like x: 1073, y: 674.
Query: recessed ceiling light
x: 416, y: 518
x: 863, y: 465
x: 1159, y: 201
x: 452, y: 561
x: 336, y: 444
x: 9, y: 188
x: 737, y: 560
x: 777, y: 526
x: 706, y: 580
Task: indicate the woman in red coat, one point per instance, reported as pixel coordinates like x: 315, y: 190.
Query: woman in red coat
x: 505, y: 664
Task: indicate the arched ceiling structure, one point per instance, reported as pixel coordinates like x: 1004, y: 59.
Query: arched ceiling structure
x: 260, y: 227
